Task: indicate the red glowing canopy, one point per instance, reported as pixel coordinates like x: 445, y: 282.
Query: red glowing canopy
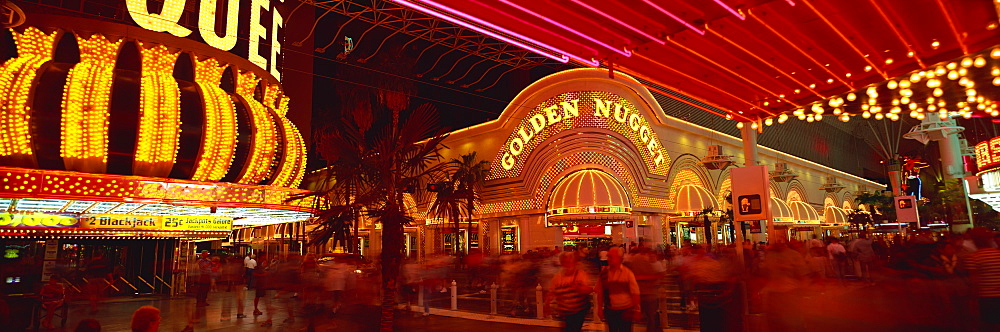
x: 752, y: 58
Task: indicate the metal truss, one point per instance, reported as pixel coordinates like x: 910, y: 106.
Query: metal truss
x: 401, y: 20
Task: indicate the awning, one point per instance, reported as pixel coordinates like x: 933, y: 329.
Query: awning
x: 693, y: 198
x: 588, y: 197
x: 834, y: 215
x: 803, y: 213
x: 780, y: 212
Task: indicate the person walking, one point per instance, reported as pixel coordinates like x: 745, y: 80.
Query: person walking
x: 838, y: 257
x: 865, y: 254
x: 204, y: 278
x: 984, y: 268
x: 53, y: 296
x: 249, y: 264
x: 571, y: 289
x: 618, y: 294
x: 146, y: 319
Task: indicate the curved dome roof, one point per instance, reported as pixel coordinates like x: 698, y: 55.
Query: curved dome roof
x: 588, y: 196
x: 780, y: 211
x: 803, y: 212
x: 834, y: 215
x: 693, y: 198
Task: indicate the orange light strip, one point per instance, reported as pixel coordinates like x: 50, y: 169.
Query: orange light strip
x: 85, y: 105
x: 219, y: 141
x: 45, y: 184
x: 731, y: 72
x: 159, y: 113
x: 263, y: 143
x: 875, y: 67
x: 754, y: 55
x: 291, y: 168
x: 797, y: 48
x: 954, y: 29
x: 899, y: 34
x: 685, y: 75
x: 17, y: 75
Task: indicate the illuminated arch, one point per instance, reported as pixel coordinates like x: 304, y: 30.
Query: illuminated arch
x: 849, y: 202
x: 776, y: 191
x: 830, y: 199
x: 796, y: 192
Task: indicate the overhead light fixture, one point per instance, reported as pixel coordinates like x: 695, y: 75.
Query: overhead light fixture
x: 675, y: 17
x: 504, y: 35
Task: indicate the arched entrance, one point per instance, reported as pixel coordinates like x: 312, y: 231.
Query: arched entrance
x: 585, y: 204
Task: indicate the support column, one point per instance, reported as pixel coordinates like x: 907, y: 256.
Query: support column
x: 749, y: 137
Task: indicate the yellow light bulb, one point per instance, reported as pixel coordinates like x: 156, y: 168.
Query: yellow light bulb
x: 866, y: 115
x: 967, y: 62
x: 844, y: 117
x: 892, y: 84
x: 938, y: 92
x: 768, y: 121
x: 739, y: 125
x: 904, y: 84
x: 980, y: 62
x: 851, y: 96
x: 879, y: 116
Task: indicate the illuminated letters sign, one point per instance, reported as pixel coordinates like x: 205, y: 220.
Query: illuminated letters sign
x: 114, y: 221
x: 12, y: 220
x: 196, y: 223
x: 988, y: 154
x: 586, y: 109
x: 168, y: 18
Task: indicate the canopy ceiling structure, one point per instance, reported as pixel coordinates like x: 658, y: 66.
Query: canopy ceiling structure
x: 760, y: 59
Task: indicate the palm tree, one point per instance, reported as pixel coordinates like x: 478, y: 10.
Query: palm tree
x: 468, y: 180
x: 374, y: 169
x: 447, y: 206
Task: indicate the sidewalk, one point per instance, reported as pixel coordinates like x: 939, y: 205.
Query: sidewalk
x: 115, y: 315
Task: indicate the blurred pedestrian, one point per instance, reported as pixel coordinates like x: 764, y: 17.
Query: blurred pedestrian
x: 146, y: 319
x: 838, y: 257
x: 864, y: 253
x: 571, y: 290
x: 618, y: 294
x: 984, y: 268
x: 204, y: 278
x: 649, y: 271
x: 53, y: 296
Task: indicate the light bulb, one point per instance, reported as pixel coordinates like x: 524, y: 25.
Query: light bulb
x: 851, y: 96
x: 844, y: 117
x: 819, y: 117
x: 952, y: 75
x: 753, y: 125
x: 892, y: 84
x: 879, y: 116
x: 866, y: 115
x: 904, y: 84
x: 938, y: 92
x: 913, y: 114
x: 739, y: 125
x: 768, y: 121
x: 980, y: 62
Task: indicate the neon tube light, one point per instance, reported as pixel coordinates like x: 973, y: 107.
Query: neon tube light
x: 675, y: 17
x: 563, y: 57
x: 564, y: 27
x: 731, y: 10
x: 620, y: 22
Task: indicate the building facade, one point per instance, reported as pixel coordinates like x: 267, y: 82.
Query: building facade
x: 579, y: 156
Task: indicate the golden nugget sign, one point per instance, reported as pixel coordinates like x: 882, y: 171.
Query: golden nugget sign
x: 168, y: 18
x: 594, y: 109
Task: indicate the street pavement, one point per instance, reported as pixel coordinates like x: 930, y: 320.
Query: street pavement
x: 115, y: 315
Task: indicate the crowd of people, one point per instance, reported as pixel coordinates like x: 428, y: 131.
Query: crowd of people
x: 927, y: 281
